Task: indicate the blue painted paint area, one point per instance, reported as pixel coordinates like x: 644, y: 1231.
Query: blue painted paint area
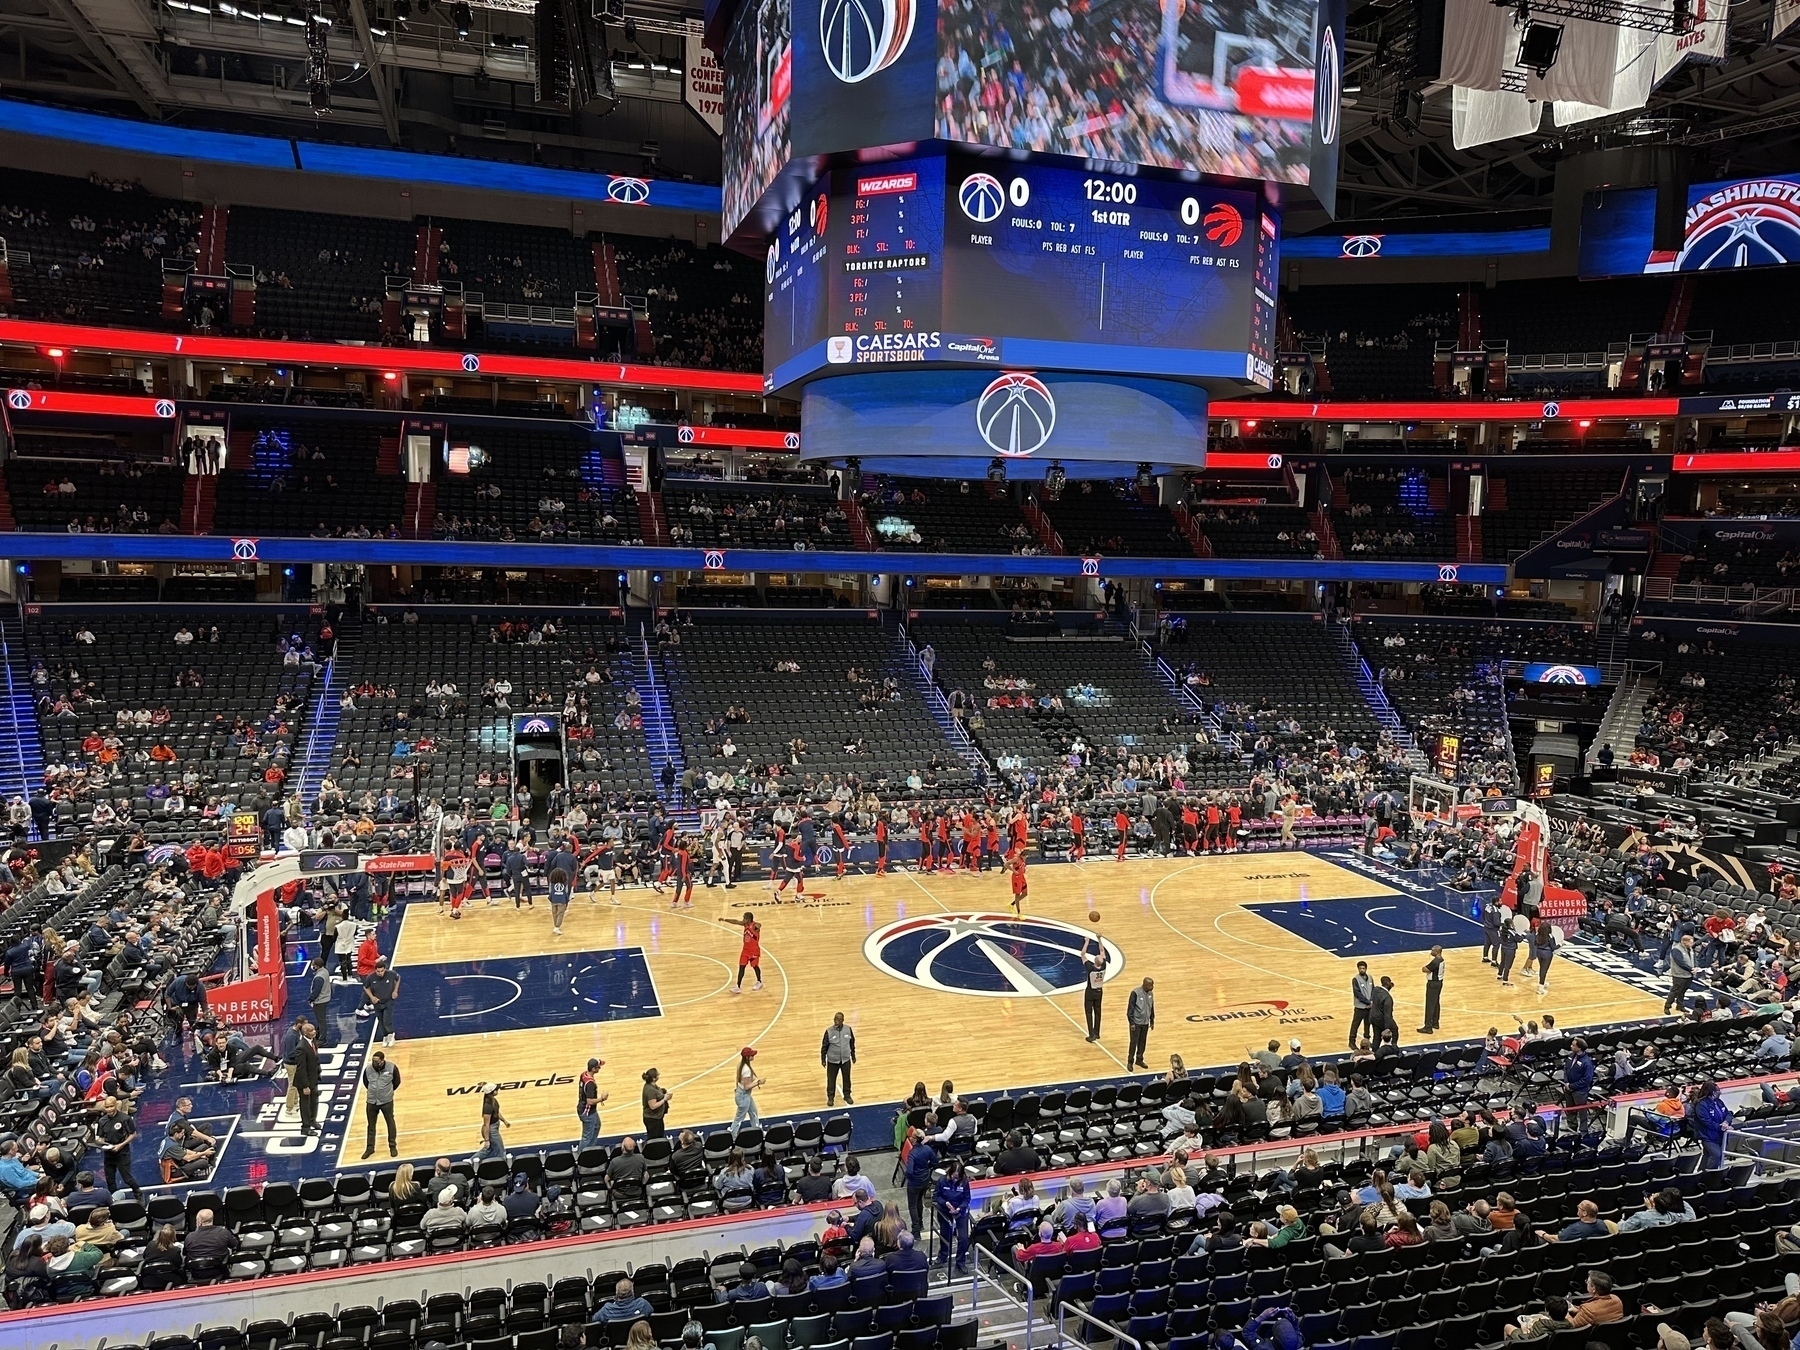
x: 524, y: 993
x: 1372, y: 926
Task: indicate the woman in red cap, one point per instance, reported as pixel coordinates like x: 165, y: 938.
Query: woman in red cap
x: 744, y: 1094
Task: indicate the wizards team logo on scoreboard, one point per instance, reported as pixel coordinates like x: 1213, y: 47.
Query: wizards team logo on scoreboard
x: 861, y: 38
x: 1749, y: 223
x: 1016, y: 414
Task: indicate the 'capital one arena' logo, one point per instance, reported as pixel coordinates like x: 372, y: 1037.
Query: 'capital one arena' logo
x: 1016, y: 414
x: 861, y: 38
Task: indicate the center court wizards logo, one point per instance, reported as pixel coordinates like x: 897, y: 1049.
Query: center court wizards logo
x: 988, y: 955
x: 860, y: 38
x: 1016, y: 414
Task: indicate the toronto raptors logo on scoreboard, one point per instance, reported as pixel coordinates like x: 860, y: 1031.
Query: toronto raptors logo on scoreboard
x: 1016, y: 414
x: 861, y: 38
x: 1224, y: 225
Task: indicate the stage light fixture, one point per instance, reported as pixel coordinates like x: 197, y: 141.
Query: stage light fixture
x: 1054, y: 478
x: 463, y: 18
x: 1146, y: 477
x: 1539, y: 45
x: 996, y: 470
x: 318, y: 61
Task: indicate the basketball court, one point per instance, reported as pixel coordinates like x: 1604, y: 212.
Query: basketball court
x: 936, y: 975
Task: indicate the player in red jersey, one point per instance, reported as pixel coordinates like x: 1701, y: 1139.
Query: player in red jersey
x: 971, y: 842
x: 684, y: 874
x: 1015, y: 862
x: 840, y: 842
x: 790, y: 864
x: 1234, y: 819
x: 941, y: 839
x: 1078, y: 829
x: 750, y: 954
x: 881, y: 845
x: 1122, y: 823
x: 1215, y: 838
x: 925, y: 843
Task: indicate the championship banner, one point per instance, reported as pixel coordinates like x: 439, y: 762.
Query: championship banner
x: 703, y: 80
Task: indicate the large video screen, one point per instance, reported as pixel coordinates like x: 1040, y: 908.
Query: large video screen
x: 963, y: 419
x: 1743, y: 222
x: 971, y: 261
x: 1063, y: 262
x: 759, y: 81
x: 1223, y: 86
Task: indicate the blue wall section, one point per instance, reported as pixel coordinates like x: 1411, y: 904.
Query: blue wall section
x: 459, y: 553
x: 266, y: 152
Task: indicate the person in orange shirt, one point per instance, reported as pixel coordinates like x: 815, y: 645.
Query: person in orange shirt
x: 1015, y: 861
x: 163, y: 753
x: 840, y: 843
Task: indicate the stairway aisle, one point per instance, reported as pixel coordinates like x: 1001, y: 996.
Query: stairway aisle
x: 21, y: 748
x: 1376, y: 697
x: 662, y: 739
x: 907, y: 657
x: 321, y: 733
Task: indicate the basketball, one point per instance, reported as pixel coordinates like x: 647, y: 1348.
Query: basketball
x: 1093, y: 916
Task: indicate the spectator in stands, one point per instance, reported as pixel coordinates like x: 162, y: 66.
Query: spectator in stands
x: 624, y: 1306
x: 446, y: 1215
x: 488, y: 1210
x: 208, y: 1244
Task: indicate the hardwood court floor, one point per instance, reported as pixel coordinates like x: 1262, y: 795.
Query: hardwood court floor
x: 1243, y: 948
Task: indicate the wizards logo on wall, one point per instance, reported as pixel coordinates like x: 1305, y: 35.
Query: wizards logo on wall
x: 989, y: 955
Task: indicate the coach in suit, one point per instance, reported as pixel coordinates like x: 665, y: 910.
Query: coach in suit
x: 305, y: 1076
x: 1140, y: 1016
x: 1381, y: 1010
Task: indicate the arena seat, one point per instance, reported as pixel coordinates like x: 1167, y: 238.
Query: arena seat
x: 1111, y: 518
x: 470, y: 735
x: 133, y: 664
x: 524, y: 474
x: 1265, y: 672
x: 947, y: 516
x: 306, y: 476
x: 337, y: 267
x: 754, y: 515
x: 1129, y: 710
x: 96, y: 247
x: 721, y: 665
